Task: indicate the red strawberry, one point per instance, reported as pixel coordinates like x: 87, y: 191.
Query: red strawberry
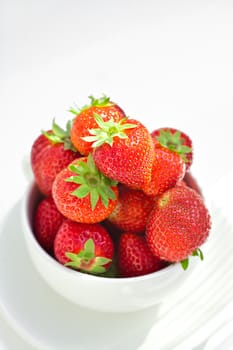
x: 177, y: 141
x: 86, y: 247
x: 123, y: 151
x: 132, y: 210
x: 84, y: 120
x: 135, y: 257
x: 168, y: 169
x: 83, y: 194
x: 47, y: 221
x: 178, y: 224
x: 51, y: 152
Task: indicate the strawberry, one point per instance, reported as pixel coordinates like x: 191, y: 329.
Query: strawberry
x: 85, y: 247
x: 83, y: 194
x: 132, y: 210
x: 47, y: 220
x: 51, y: 152
x: 123, y: 151
x: 135, y: 257
x: 178, y: 224
x: 168, y: 169
x: 177, y: 141
x: 84, y: 120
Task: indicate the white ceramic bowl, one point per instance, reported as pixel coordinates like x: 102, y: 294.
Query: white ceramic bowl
x: 94, y: 292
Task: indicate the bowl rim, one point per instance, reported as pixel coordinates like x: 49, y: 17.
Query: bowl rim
x: 52, y: 261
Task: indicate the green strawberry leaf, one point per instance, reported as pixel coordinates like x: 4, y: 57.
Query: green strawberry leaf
x: 92, y: 182
x: 79, y: 169
x: 184, y: 149
x: 104, y: 198
x: 198, y: 253
x: 75, y: 260
x: 89, y: 246
x: 185, y: 263
x: 112, y: 271
x: 174, y: 142
x: 109, y: 192
x: 94, y: 195
x: 86, y: 260
x: 73, y: 257
x: 76, y: 179
x: 74, y: 110
x: 109, y: 182
x: 107, y: 131
x: 90, y: 165
x: 102, y: 261
x: 103, y: 101
x: 59, y: 135
x: 98, y: 270
x: 81, y: 191
x: 100, y: 102
x: 58, y: 131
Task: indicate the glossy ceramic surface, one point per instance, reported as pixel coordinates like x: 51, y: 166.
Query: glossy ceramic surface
x: 94, y: 292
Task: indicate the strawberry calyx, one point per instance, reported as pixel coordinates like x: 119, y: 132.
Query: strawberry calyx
x: 107, y: 131
x: 103, y: 101
x: 174, y: 142
x: 185, y: 263
x: 59, y: 135
x: 86, y: 260
x: 100, y: 102
x: 92, y: 182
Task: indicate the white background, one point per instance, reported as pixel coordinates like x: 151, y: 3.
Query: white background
x: 167, y: 63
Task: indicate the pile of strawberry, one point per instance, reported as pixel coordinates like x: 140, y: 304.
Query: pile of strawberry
x: 116, y: 199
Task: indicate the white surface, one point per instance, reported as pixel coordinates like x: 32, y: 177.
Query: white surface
x: 223, y: 339
x: 168, y: 63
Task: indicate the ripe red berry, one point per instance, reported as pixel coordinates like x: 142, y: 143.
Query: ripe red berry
x: 134, y: 256
x: 47, y: 221
x: 85, y: 121
x: 168, y: 169
x: 85, y: 247
x: 177, y: 141
x: 83, y: 194
x: 178, y: 224
x: 132, y: 210
x: 123, y: 151
x: 50, y: 154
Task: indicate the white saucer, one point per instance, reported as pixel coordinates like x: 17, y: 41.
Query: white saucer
x: 222, y: 339
x: 47, y: 321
